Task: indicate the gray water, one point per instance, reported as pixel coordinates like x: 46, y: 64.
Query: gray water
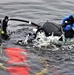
x: 61, y: 61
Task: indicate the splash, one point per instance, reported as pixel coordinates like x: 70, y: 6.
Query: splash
x: 43, y: 41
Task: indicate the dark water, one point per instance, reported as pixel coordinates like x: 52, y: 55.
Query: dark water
x: 61, y: 61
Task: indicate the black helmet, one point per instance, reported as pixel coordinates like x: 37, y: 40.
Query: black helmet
x: 6, y: 17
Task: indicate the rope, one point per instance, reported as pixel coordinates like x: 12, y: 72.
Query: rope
x: 44, y: 71
x: 3, y: 67
x: 1, y: 52
x: 25, y: 21
x: 1, y: 64
x: 42, y: 60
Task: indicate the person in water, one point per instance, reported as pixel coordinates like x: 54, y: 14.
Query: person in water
x: 68, y: 20
x: 4, y: 28
x: 67, y: 23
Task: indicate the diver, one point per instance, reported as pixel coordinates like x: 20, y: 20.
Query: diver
x: 68, y: 33
x: 68, y: 20
x: 4, y: 28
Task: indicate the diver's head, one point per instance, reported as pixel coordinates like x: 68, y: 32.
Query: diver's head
x: 6, y: 18
x: 71, y: 16
x: 71, y: 19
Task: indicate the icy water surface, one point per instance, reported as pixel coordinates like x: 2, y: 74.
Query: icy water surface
x: 61, y: 62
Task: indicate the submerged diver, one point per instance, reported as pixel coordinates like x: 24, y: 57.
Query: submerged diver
x: 4, y: 28
x: 48, y: 28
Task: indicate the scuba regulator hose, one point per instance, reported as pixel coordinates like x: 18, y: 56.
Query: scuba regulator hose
x: 25, y: 21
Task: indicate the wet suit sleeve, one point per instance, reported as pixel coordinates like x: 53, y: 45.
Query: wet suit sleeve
x: 65, y: 21
x: 4, y: 25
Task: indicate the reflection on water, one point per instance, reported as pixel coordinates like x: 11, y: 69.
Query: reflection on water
x: 60, y: 61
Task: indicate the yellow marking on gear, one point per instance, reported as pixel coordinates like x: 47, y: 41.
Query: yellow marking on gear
x: 1, y: 52
x: 2, y: 32
x: 44, y: 71
x: 3, y: 67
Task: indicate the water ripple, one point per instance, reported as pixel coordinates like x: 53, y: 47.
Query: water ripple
x: 60, y: 61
